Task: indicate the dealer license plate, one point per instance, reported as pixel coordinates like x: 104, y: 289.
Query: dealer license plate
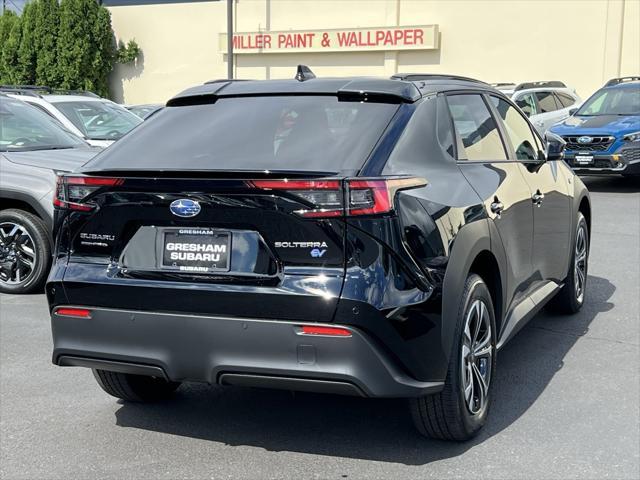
x: 196, y: 250
x: 584, y: 159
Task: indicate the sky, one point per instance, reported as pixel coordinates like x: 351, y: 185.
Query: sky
x: 15, y: 5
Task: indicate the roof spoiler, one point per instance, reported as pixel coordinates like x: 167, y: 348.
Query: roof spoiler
x: 616, y: 81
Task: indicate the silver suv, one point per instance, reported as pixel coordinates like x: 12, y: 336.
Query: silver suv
x: 545, y: 103
x: 99, y: 121
x: 33, y: 148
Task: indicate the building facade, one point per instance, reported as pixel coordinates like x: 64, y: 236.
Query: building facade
x: 583, y: 43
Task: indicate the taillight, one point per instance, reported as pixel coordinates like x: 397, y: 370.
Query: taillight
x: 73, y: 192
x: 376, y: 196
x: 326, y: 198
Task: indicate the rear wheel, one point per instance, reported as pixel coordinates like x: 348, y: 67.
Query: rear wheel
x: 25, y: 253
x: 135, y: 388
x: 571, y: 298
x: 461, y: 409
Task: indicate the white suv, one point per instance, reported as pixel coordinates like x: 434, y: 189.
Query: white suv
x: 98, y: 120
x: 545, y: 103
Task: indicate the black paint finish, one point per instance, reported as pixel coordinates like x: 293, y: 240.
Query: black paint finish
x: 395, y: 278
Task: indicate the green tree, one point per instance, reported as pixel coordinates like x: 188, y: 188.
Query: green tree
x: 46, y: 39
x: 105, y: 52
x: 10, y: 49
x: 76, y: 46
x: 7, y: 21
x: 27, y: 51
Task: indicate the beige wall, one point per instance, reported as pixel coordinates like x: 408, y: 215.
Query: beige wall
x: 583, y: 43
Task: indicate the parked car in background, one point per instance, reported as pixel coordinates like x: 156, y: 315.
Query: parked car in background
x: 361, y: 236
x: 98, y: 120
x: 603, y: 136
x: 34, y: 148
x: 545, y: 103
x: 146, y: 110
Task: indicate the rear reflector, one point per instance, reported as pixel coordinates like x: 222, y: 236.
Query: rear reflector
x: 327, y: 198
x: 328, y: 331
x: 73, y: 312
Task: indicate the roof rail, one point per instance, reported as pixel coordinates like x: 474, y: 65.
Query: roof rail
x: 225, y: 80
x: 62, y: 91
x: 28, y: 90
x: 541, y: 84
x: 503, y: 84
x: 416, y: 77
x: 616, y: 81
x: 38, y: 90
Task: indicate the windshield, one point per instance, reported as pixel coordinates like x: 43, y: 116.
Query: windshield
x: 98, y: 120
x: 302, y: 133
x: 23, y: 128
x: 613, y: 101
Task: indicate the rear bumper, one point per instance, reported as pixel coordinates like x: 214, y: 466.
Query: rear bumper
x: 230, y: 351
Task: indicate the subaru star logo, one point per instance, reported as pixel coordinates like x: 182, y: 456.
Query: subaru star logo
x: 185, y: 208
x: 584, y: 140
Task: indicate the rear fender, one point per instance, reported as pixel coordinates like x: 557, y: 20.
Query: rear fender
x: 471, y: 239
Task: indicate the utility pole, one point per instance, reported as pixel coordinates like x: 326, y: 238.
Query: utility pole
x: 229, y: 39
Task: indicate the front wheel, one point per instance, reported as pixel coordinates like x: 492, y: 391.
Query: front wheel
x: 460, y: 410
x: 25, y: 253
x: 571, y: 297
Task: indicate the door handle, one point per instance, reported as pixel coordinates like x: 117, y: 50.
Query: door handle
x: 537, y: 198
x: 497, y: 207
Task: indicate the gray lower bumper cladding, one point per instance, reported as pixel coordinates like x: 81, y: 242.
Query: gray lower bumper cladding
x: 230, y: 351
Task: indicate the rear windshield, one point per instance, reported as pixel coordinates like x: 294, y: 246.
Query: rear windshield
x: 301, y: 133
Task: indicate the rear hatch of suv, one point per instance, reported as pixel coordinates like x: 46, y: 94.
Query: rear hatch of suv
x: 233, y: 208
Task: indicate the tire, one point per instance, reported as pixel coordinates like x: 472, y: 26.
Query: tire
x: 25, y: 254
x: 450, y: 414
x: 135, y: 388
x: 568, y: 300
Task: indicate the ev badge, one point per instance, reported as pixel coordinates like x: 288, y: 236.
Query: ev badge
x: 317, y: 253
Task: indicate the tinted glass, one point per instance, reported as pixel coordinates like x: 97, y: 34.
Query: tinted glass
x: 303, y: 133
x: 476, y: 127
x: 565, y: 100
x: 23, y: 127
x: 518, y: 129
x: 99, y: 120
x: 546, y: 102
x: 613, y: 101
x: 527, y: 104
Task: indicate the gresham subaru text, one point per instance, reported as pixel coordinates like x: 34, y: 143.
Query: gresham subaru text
x: 373, y: 237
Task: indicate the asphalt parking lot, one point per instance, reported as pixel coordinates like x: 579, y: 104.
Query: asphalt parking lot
x: 567, y: 401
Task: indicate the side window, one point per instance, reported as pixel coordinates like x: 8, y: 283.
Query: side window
x: 546, y: 102
x: 527, y: 104
x: 565, y: 100
x: 518, y: 129
x: 476, y: 128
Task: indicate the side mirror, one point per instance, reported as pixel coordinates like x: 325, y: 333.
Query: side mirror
x: 555, y: 145
x: 573, y: 111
